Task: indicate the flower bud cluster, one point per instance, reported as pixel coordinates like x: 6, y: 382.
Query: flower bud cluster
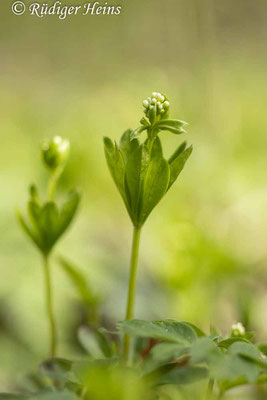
x: 55, y: 152
x: 238, y: 329
x: 158, y: 102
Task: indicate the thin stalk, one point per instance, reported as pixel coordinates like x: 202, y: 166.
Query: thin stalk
x: 49, y: 307
x: 55, y: 175
x: 210, y: 388
x: 132, y: 286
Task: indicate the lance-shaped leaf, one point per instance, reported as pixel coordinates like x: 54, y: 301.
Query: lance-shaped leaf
x: 67, y: 212
x: 127, y: 145
x: 135, y: 173
x: 155, y: 185
x: 116, y: 167
x: 177, y: 164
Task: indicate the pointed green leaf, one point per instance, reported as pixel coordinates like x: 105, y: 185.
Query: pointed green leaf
x: 155, y: 185
x: 128, y: 145
x: 178, y: 151
x: 135, y: 172
x: 156, y: 151
x: 183, y: 375
x: 116, y: 167
x: 177, y: 165
x: 67, y: 212
x: 29, y: 232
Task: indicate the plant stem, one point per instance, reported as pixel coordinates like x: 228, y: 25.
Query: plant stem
x: 49, y: 307
x: 210, y: 388
x: 132, y: 286
x: 55, y: 175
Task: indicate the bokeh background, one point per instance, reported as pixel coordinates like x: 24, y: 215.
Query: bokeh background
x: 203, y: 253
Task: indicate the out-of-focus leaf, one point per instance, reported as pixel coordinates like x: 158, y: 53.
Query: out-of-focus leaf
x: 165, y: 352
x: 263, y: 348
x: 57, y: 369
x: 177, y: 165
x: 67, y: 212
x: 55, y: 395
x: 198, y: 331
x: 183, y: 375
x: 29, y: 232
x: 170, y: 331
x: 228, y: 342
x: 95, y: 342
x: 80, y: 283
x: 205, y: 350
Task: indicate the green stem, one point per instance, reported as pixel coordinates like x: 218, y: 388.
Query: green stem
x: 210, y: 388
x: 49, y: 307
x: 132, y: 286
x: 55, y: 175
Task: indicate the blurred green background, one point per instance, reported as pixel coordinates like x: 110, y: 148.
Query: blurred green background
x: 203, y: 252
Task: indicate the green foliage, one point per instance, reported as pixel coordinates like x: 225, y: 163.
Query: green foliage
x: 139, y: 170
x: 47, y: 222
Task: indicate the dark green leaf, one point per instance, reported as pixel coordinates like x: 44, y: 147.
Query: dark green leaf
x: 183, y: 375
x: 198, y: 331
x: 228, y: 342
x: 155, y: 185
x: 156, y: 151
x: 57, y: 369
x: 263, y: 348
x: 128, y: 145
x: 205, y: 350
x: 170, y: 331
x: 135, y: 173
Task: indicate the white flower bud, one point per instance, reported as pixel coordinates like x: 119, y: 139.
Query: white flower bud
x: 162, y: 111
x: 153, y: 101
x: 238, y: 329
x: 145, y: 103
x: 166, y: 105
x: 162, y: 98
x: 154, y: 94
x: 55, y: 152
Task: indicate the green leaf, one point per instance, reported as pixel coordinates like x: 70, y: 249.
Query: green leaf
x: 197, y: 330
x: 205, y: 350
x: 170, y: 331
x: 165, y: 352
x: 226, y: 343
x: 80, y: 283
x: 177, y: 165
x: 135, y: 172
x: 128, y: 145
x: 116, y: 167
x: 156, y: 151
x: 155, y: 185
x: 57, y: 369
x: 178, y: 151
x: 138, y: 131
x: 183, y: 375
x: 95, y: 342
x: 28, y: 231
x: 263, y: 348
x: 67, y: 213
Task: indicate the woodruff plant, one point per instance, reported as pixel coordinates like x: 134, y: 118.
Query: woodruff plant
x: 142, y: 174
x: 48, y: 221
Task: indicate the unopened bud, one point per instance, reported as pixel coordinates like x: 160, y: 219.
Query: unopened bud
x: 238, y: 329
x: 55, y: 153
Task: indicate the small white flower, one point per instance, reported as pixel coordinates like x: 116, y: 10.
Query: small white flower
x: 154, y: 94
x: 238, y: 329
